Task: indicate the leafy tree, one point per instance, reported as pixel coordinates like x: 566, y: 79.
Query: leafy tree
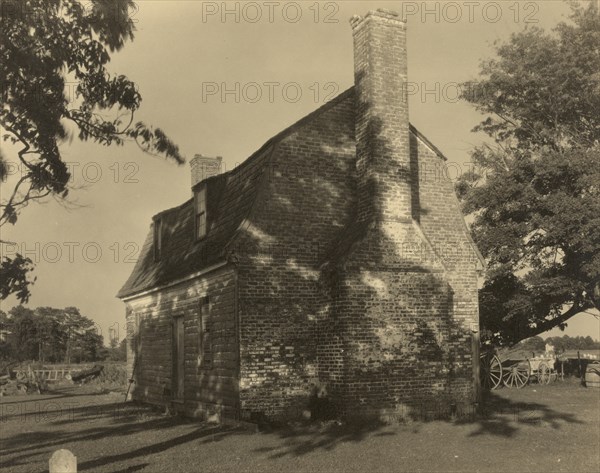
x: 5, y: 348
x: 535, y: 195
x: 89, y: 347
x: 565, y: 342
x: 22, y: 334
x: 76, y: 327
x: 45, y: 44
x: 117, y: 350
x: 533, y: 344
x: 14, y: 277
x: 47, y: 334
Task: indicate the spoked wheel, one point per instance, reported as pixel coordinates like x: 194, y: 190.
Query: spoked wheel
x: 491, y: 371
x: 543, y: 373
x: 517, y: 374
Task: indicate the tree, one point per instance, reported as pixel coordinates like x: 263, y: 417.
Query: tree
x: 565, y: 342
x: 533, y: 344
x: 76, y: 327
x: 45, y: 44
x: 534, y: 196
x: 117, y: 350
x: 5, y: 348
x: 22, y: 334
x: 47, y: 334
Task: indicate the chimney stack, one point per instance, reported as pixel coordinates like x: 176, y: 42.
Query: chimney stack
x: 203, y: 167
x: 382, y: 126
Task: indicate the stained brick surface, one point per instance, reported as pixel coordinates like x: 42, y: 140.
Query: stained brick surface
x: 351, y: 277
x: 209, y: 388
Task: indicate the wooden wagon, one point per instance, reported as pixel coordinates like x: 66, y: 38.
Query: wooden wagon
x: 514, y: 369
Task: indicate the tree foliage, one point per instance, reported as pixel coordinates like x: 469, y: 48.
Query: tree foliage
x: 45, y: 46
x: 564, y: 343
x: 535, y: 196
x: 46, y: 334
x: 14, y: 277
x: 117, y: 351
x: 560, y: 344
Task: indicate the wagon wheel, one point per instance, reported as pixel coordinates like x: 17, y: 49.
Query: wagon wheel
x: 491, y: 371
x: 543, y: 373
x: 517, y: 374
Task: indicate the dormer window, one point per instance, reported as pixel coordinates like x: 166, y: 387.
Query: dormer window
x: 157, y: 238
x: 200, y: 212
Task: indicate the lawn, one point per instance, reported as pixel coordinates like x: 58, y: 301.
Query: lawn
x: 539, y: 428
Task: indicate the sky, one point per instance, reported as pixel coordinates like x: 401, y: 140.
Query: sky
x: 221, y: 79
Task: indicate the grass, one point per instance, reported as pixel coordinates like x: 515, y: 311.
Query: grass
x: 539, y: 428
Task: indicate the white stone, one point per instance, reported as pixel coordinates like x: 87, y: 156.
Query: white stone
x: 63, y: 461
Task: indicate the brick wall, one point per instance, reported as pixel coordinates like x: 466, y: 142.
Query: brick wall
x: 398, y: 335
x: 203, y: 167
x: 305, y: 203
x: 356, y: 276
x: 305, y: 326
x: 209, y: 388
x: 398, y: 332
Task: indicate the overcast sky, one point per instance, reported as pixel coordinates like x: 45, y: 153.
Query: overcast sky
x: 285, y: 59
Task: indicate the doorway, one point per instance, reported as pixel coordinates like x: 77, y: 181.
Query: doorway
x: 178, y: 359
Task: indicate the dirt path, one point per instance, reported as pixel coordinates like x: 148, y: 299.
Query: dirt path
x: 549, y: 428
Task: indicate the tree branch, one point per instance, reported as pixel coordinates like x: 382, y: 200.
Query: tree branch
x: 575, y: 309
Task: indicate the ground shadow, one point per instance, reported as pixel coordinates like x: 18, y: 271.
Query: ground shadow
x: 497, y: 416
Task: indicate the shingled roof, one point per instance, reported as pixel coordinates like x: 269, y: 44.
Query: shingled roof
x: 232, y: 195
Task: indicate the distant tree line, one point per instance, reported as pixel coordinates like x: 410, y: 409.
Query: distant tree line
x: 560, y: 344
x: 50, y: 335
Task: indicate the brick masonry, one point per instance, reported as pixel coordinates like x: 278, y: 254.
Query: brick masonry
x: 353, y: 277
x: 210, y: 388
x: 203, y: 167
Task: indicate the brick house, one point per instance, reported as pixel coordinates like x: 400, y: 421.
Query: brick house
x: 334, y: 260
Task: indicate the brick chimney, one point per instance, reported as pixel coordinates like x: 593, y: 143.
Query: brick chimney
x: 203, y: 167
x: 382, y: 127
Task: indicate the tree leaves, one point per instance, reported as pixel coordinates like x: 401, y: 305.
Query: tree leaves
x: 52, y: 71
x: 53, y: 57
x: 535, y: 198
x: 15, y: 278
x: 48, y: 334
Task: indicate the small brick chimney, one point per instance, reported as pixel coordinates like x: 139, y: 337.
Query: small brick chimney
x: 203, y: 167
x: 382, y: 127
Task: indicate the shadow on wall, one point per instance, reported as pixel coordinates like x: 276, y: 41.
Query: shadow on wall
x: 206, y: 388
x: 345, y: 307
x: 367, y: 324
x: 400, y: 343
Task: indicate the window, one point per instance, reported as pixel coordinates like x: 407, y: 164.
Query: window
x: 200, y: 211
x: 205, y: 355
x: 157, y: 238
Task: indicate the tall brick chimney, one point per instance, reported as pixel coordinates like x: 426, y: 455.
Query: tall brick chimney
x: 203, y: 167
x: 382, y: 127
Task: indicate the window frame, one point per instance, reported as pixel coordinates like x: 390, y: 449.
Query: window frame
x: 157, y: 238
x: 200, y: 211
x: 205, y: 346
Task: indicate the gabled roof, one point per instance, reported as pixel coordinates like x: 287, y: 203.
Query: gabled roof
x: 230, y: 199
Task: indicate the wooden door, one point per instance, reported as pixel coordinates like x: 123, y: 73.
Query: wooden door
x: 178, y: 358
